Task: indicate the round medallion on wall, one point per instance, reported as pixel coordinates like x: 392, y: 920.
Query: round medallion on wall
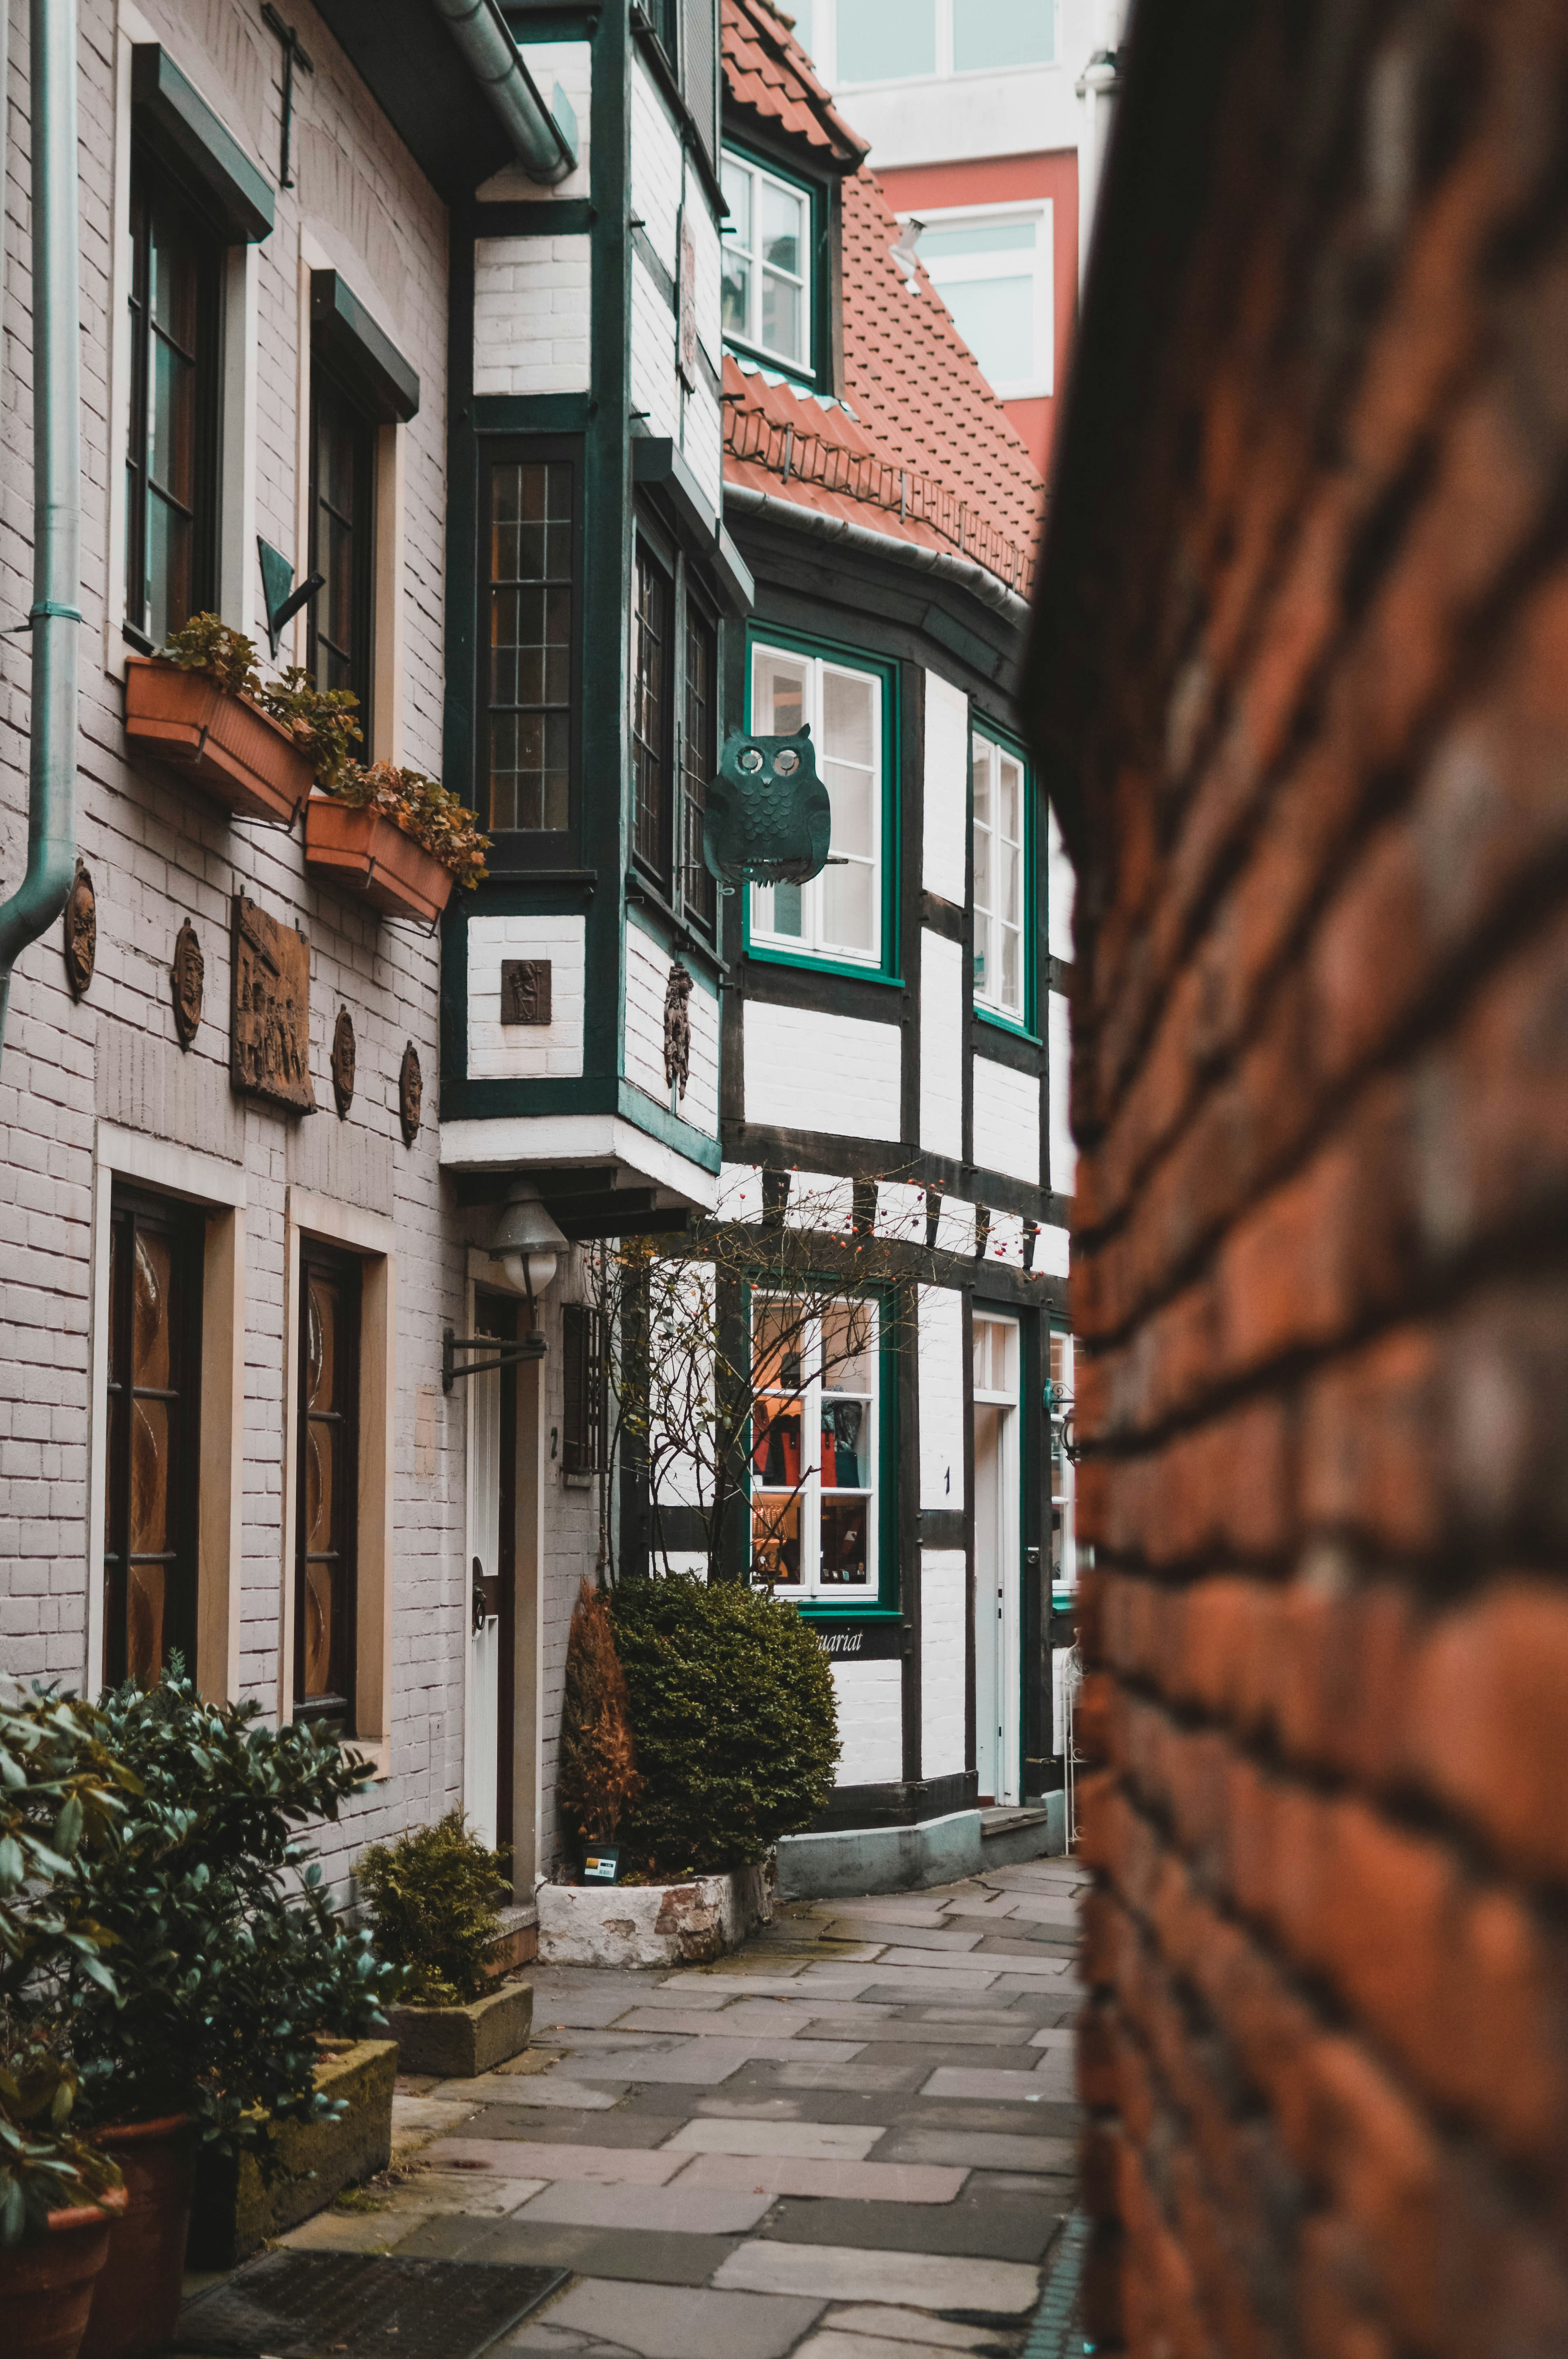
x: 410, y: 1094
x: 81, y: 931
x: 343, y: 1061
x: 186, y: 980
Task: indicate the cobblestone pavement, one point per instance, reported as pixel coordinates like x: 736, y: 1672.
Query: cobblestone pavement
x: 853, y: 2140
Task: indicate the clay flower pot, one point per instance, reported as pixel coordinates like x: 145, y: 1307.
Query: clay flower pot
x: 237, y: 753
x: 136, y: 2304
x: 46, y: 2290
x: 364, y: 851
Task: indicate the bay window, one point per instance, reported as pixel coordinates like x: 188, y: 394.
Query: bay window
x: 767, y: 277
x: 652, y: 666
x: 1002, y: 897
x: 838, y: 914
x: 815, y: 1445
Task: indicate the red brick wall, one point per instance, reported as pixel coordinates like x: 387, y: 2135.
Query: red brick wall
x: 1314, y: 751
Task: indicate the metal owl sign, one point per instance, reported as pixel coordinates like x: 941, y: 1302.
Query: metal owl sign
x: 768, y: 819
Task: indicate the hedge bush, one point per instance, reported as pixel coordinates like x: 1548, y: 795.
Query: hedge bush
x: 734, y: 1717
x: 432, y: 1899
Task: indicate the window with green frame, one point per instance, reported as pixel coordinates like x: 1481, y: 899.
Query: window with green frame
x: 845, y: 915
x: 1003, y: 854
x: 771, y: 287
x: 820, y: 1432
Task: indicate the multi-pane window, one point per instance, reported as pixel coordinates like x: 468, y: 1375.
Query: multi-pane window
x: 837, y: 914
x: 532, y: 608
x: 653, y: 652
x: 1001, y: 895
x: 327, y: 1485
x: 907, y: 41
x: 171, y: 457
x: 993, y: 269
x: 815, y: 1446
x: 699, y: 757
x: 342, y: 504
x: 767, y: 262
x: 583, y: 1373
x: 153, y: 1412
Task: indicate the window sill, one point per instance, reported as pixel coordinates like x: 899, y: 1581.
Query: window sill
x: 814, y: 963
x: 794, y: 373
x: 1008, y: 1024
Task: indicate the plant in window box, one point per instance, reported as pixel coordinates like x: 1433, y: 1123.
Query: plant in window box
x: 229, y: 1965
x: 200, y: 705
x: 398, y: 837
x: 432, y: 1897
x: 59, y: 2193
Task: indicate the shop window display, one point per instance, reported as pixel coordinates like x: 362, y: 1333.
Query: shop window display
x: 815, y: 1448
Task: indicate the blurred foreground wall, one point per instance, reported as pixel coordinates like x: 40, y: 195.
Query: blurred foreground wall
x: 1301, y: 680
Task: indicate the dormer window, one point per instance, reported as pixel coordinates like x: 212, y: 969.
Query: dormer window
x: 768, y: 245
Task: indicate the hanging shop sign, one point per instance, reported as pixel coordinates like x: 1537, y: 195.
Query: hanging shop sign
x: 881, y: 1641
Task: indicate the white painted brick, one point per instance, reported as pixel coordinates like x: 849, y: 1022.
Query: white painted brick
x: 571, y: 64
x: 656, y: 390
x: 871, y: 1722
x: 811, y: 1071
x: 656, y: 167
x: 532, y: 314
x: 946, y: 850
x: 499, y: 1051
x: 1059, y: 1055
x: 648, y: 967
x: 1007, y: 1120
x: 943, y: 1609
x: 939, y: 1360
x: 942, y: 1002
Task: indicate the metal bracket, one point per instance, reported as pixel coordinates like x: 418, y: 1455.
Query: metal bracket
x: 282, y: 602
x: 504, y: 1356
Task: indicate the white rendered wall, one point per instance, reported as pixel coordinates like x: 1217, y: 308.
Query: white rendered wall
x: 518, y: 1052
x: 648, y: 964
x: 944, y: 1595
x: 1007, y: 1120
x: 942, y: 1009
x: 939, y: 1359
x: 810, y: 1072
x: 1059, y: 1053
x: 945, y: 849
x: 871, y: 1722
x: 531, y: 314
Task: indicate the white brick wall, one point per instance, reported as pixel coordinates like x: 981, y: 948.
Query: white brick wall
x: 946, y: 849
x: 648, y: 964
x: 808, y: 1071
x: 709, y: 267
x: 1050, y: 1251
x: 531, y: 314
x: 1061, y: 888
x: 940, y: 1363
x: 1007, y: 1120
x: 657, y: 165
x: 517, y: 1052
x: 703, y: 441
x: 943, y: 1609
x: 570, y: 63
x: 1005, y: 1240
x: 1059, y: 1052
x: 656, y: 390
x: 942, y: 1008
x: 871, y: 1722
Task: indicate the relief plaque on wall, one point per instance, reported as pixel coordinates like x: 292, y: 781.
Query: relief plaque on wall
x: 80, y: 930
x: 186, y: 983
x: 525, y: 991
x: 269, y: 1046
x: 345, y: 1060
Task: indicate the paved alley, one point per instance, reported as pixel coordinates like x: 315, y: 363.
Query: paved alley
x: 853, y: 2140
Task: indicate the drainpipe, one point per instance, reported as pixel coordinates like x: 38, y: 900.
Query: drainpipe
x: 57, y: 493
x: 544, y: 138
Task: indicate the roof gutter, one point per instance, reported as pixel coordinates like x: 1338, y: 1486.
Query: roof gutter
x: 544, y: 138
x: 964, y: 570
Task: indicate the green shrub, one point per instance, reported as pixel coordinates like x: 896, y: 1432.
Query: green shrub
x: 432, y: 1897
x: 734, y: 1715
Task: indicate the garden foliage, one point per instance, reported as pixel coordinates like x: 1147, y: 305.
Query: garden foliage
x: 432, y: 1896
x: 597, y: 1778
x: 734, y: 1718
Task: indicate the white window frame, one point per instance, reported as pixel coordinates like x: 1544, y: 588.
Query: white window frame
x: 1037, y: 270
x: 808, y: 1492
x: 825, y: 51
x: 812, y: 941
x: 803, y: 362
x: 990, y: 751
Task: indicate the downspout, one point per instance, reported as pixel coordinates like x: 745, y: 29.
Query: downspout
x: 57, y: 493
x: 544, y: 138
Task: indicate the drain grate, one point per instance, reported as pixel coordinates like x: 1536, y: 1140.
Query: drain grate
x: 303, y: 2305
x: 1058, y: 2331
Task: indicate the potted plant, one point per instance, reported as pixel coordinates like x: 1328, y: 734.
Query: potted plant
x: 432, y: 1901
x: 201, y: 705
x: 59, y: 2193
x: 399, y: 838
x: 230, y: 1962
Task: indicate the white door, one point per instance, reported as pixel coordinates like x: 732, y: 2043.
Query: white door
x: 482, y: 1753
x: 997, y: 1504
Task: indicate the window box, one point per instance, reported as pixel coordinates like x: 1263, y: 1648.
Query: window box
x: 238, y: 755
x: 686, y: 1924
x: 364, y: 851
x: 237, y: 2208
x: 458, y: 2043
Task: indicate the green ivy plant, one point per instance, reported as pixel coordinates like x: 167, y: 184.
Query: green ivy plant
x: 229, y: 1959
x: 432, y: 1900
x: 735, y: 1722
x: 59, y: 1793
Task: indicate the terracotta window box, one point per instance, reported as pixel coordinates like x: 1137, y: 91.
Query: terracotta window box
x: 239, y: 755
x: 364, y: 852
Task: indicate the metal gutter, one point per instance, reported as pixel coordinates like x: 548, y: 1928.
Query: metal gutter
x: 57, y: 492
x: 544, y: 145
x: 974, y: 577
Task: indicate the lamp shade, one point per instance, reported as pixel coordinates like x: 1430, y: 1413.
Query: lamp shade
x: 527, y: 1245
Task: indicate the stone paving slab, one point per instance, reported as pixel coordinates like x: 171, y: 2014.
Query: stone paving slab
x: 1045, y: 1908
x: 539, y: 2089
x: 907, y: 2326
x: 985, y: 2222
x: 705, y: 2062
x: 962, y: 2080
x: 854, y: 2183
x: 982, y: 2150
x: 658, y: 2322
x: 830, y: 2343
x: 482, y: 2194
x: 853, y: 2273
x: 960, y: 2033
x: 610, y: 2166
x: 942, y: 1938
x: 639, y: 2253
x: 668, y: 2211
x: 866, y: 2079
x: 614, y: 2127
x: 772, y: 2019
x: 821, y: 2141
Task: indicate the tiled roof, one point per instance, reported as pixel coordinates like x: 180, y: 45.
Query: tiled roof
x: 927, y: 454
x: 766, y: 69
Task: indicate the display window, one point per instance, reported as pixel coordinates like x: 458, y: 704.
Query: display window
x: 816, y: 1448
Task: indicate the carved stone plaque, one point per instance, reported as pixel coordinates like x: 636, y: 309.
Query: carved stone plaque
x: 525, y: 991
x: 187, y: 983
x: 410, y: 1094
x: 81, y: 931
x: 344, y: 1059
x: 269, y: 1047
x: 678, y: 1028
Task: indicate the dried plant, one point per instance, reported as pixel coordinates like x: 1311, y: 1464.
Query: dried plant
x: 596, y: 1778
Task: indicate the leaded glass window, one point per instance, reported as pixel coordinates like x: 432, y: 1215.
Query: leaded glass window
x: 327, y: 1485
x: 532, y: 607
x: 153, y: 1397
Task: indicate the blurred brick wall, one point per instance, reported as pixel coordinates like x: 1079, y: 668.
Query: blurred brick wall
x: 1321, y: 1087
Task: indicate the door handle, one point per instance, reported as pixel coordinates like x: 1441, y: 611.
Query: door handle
x: 486, y: 1598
